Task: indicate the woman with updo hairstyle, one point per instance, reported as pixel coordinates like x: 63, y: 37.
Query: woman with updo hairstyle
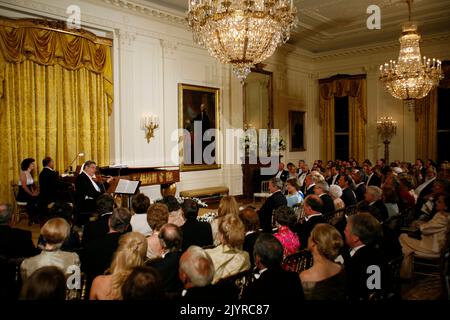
x: 228, y: 257
x: 130, y: 254
x: 227, y: 205
x: 325, y: 280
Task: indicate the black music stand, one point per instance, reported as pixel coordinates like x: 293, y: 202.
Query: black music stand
x: 128, y: 188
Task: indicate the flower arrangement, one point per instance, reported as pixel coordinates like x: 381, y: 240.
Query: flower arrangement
x: 207, y: 217
x: 199, y: 202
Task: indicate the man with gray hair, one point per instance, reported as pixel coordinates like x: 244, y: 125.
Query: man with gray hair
x: 196, y: 272
x: 321, y: 190
x: 14, y: 242
x: 274, y: 201
x: 374, y: 204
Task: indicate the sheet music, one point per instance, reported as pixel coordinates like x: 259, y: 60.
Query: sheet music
x: 127, y: 186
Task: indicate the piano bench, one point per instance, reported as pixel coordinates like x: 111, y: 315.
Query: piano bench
x: 205, y: 193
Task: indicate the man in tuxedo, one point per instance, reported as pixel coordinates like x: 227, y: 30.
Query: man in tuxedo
x: 97, y: 255
x: 362, y: 235
x: 372, y: 178
x: 360, y: 186
x: 50, y: 185
x: 272, y: 283
x: 275, y: 200
x: 171, y: 238
x: 196, y: 272
x: 374, y: 204
x: 334, y: 179
x: 98, y: 228
x: 303, y: 172
x: 87, y: 190
x: 194, y: 232
x: 14, y: 242
x: 312, y: 208
x: 282, y: 174
x: 348, y: 195
x: 321, y: 190
x: 310, y: 182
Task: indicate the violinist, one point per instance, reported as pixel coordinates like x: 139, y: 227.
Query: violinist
x: 88, y: 187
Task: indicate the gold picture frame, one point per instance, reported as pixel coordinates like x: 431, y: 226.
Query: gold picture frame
x: 198, y: 107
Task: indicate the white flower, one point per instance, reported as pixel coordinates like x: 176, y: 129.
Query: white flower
x: 207, y: 217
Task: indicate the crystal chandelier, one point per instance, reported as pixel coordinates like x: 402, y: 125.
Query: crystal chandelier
x: 241, y: 33
x: 411, y: 77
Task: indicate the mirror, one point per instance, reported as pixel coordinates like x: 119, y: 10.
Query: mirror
x: 257, y: 95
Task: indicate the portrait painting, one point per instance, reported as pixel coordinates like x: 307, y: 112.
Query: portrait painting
x: 199, y: 118
x: 296, y: 131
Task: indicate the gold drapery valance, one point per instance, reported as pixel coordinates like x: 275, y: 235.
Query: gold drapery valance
x: 49, y: 43
x: 341, y: 86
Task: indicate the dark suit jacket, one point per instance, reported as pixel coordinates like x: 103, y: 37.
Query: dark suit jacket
x: 304, y: 229
x: 168, y: 268
x: 273, y: 202
x: 275, y: 284
x: 284, y: 175
x: 374, y: 181
x: 50, y: 186
x: 97, y: 255
x: 84, y: 187
x: 249, y: 243
x: 328, y: 204
x: 309, y: 191
x: 377, y: 209
x: 96, y: 229
x: 360, y: 191
x: 209, y: 293
x: 196, y: 233
x: 330, y: 180
x: 16, y: 243
x: 349, y: 197
x: 356, y: 269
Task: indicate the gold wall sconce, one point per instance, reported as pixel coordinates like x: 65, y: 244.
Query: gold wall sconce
x: 149, y: 123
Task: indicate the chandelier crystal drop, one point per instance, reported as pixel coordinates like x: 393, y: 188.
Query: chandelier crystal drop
x: 241, y: 33
x: 412, y: 77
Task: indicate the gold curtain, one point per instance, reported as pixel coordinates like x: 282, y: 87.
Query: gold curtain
x: 355, y: 88
x: 55, y: 98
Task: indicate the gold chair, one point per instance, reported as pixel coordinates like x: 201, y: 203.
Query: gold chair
x: 299, y: 261
x: 264, y: 191
x: 20, y: 207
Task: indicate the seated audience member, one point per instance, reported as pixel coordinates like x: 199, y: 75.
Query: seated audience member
x: 433, y: 236
x: 171, y: 238
x: 196, y: 273
x: 272, y: 283
x: 65, y: 211
x: 251, y: 224
x: 362, y: 235
x: 312, y: 209
x: 406, y: 194
x: 372, y: 178
x: 295, y: 196
x: 310, y: 182
x: 176, y: 216
x: 334, y: 174
x: 390, y: 200
x: 14, y: 242
x: 55, y: 231
x: 292, y: 171
x: 284, y: 219
x: 360, y: 187
x: 87, y: 189
x: 325, y: 280
x: 98, y: 254
x: 46, y: 283
x: 129, y: 254
x: 227, y: 257
x: 138, y: 221
x: 425, y: 206
x: 98, y: 228
x: 321, y: 190
x: 335, y: 193
x: 227, y: 205
x: 348, y: 195
x: 303, y: 172
x: 194, y: 232
x: 275, y: 200
x: 374, y: 204
x: 282, y: 174
x: 157, y: 216
x: 143, y: 283
x: 28, y: 191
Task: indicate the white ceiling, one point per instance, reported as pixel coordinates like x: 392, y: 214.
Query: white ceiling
x: 326, y: 25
